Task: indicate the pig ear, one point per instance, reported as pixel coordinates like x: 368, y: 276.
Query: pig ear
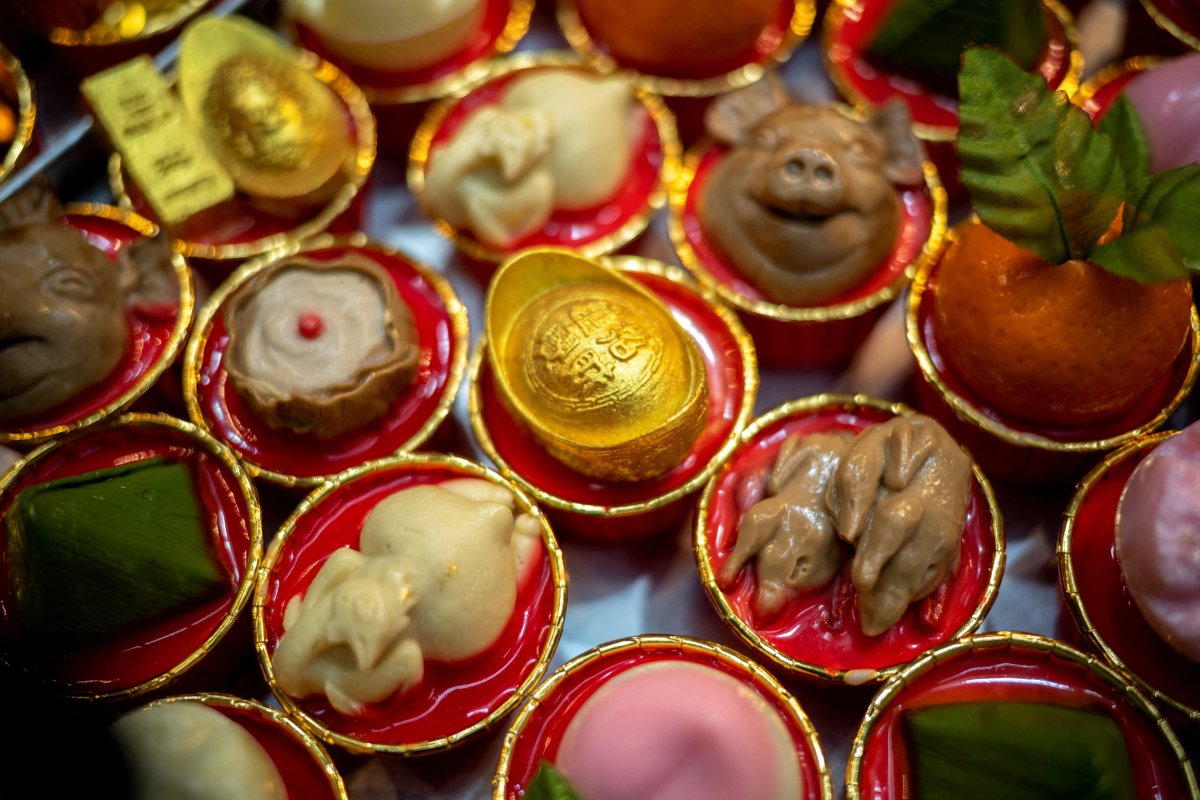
x: 35, y: 203
x: 732, y: 115
x: 904, y: 153
x: 147, y: 276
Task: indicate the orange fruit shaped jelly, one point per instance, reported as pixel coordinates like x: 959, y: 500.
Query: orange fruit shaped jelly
x: 1058, y: 344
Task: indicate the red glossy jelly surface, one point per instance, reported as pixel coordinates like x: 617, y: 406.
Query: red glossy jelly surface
x: 811, y: 629
x: 136, y: 658
x: 303, y: 777
x: 1151, y: 403
x: 696, y: 66
x: 543, y: 731
x: 1105, y: 597
x: 452, y: 696
x: 726, y: 385
x: 481, y: 44
x: 579, y: 227
x: 150, y: 329
x: 1015, y: 674
x: 1097, y: 105
x: 845, y: 53
x: 915, y: 223
x: 288, y: 453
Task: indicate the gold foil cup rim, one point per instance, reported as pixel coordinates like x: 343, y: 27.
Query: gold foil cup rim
x: 297, y: 734
x: 1005, y: 640
x: 835, y: 17
x: 746, y: 631
x: 558, y: 574
x: 364, y: 159
x: 1070, y: 585
x: 780, y: 312
x: 966, y: 410
x: 1088, y: 89
x: 155, y: 24
x: 750, y: 380
x: 798, y: 29
x: 782, y: 700
x: 422, y: 142
x: 25, y: 114
x: 1169, y: 25
x: 171, y: 348
x: 627, y: 433
x: 222, y: 454
x: 455, y: 310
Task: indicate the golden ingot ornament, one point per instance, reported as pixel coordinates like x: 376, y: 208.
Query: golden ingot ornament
x: 595, y: 365
x: 276, y: 128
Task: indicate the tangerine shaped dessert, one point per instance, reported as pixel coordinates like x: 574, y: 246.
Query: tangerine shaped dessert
x: 1060, y: 322
x: 408, y: 605
x: 807, y: 219
x: 1127, y: 562
x: 844, y: 536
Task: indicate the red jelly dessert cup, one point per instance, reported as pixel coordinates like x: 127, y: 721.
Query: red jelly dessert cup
x: 237, y: 230
x: 818, y: 634
x: 1180, y: 18
x: 89, y: 48
x: 1094, y: 585
x: 503, y: 24
x: 304, y: 764
x: 16, y: 93
x: 796, y: 337
x: 774, y: 46
x: 1100, y: 91
x: 590, y: 232
x: 625, y: 510
x: 453, y: 701
x: 848, y: 28
x: 537, y: 730
x: 1012, y: 667
x: 159, y: 655
x: 291, y: 459
x: 156, y: 333
x: 1013, y: 449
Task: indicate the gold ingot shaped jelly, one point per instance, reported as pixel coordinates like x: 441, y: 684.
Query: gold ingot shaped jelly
x: 275, y: 127
x: 595, y: 365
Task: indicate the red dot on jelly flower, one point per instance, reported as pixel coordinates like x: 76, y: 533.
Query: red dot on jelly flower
x: 310, y: 325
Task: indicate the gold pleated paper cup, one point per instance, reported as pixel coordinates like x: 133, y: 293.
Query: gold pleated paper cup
x: 275, y: 732
x: 1163, y: 20
x: 261, y: 239
x: 873, y: 772
x: 15, y: 82
x: 796, y: 31
x: 1093, y: 93
x: 409, y: 723
x: 102, y: 672
x: 155, y: 340
x: 783, y: 643
x: 1093, y: 585
x: 656, y: 166
x: 530, y: 740
x: 134, y: 26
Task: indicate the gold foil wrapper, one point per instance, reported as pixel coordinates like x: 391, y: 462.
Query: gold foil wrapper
x: 595, y: 365
x: 24, y: 113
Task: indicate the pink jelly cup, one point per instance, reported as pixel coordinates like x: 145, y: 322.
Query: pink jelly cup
x: 1012, y: 667
x: 454, y: 701
x: 800, y: 640
x: 187, y: 647
x: 537, y: 730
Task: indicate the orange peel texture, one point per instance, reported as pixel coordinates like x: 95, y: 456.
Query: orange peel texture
x: 1056, y: 344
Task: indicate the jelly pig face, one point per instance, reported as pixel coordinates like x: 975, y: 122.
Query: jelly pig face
x: 804, y: 203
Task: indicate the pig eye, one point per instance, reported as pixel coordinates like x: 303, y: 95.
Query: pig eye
x: 764, y: 138
x: 857, y: 150
x: 69, y: 283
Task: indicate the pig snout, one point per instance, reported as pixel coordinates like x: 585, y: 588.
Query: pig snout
x: 803, y: 182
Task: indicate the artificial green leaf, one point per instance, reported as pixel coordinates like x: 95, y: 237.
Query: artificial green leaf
x: 1017, y: 751
x: 550, y: 784
x: 924, y: 39
x: 1123, y: 126
x: 1160, y: 240
x: 1037, y: 171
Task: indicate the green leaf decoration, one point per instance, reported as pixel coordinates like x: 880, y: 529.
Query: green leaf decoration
x: 1161, y: 238
x: 1017, y: 751
x: 1123, y: 126
x: 550, y: 784
x: 924, y: 39
x: 1037, y: 171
